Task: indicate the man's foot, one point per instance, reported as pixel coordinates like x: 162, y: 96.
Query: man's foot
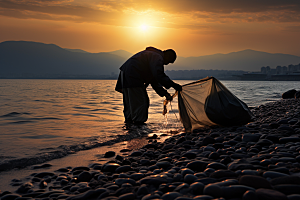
x: 139, y: 123
x: 128, y: 121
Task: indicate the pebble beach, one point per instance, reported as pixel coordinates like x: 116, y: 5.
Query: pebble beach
x: 257, y: 161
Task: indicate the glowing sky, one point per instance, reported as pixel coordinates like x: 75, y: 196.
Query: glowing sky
x: 191, y: 27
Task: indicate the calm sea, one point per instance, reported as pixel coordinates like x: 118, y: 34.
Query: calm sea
x: 39, y: 118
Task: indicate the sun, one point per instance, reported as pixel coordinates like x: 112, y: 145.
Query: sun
x: 144, y: 27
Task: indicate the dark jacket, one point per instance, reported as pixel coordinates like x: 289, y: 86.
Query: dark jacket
x: 144, y: 68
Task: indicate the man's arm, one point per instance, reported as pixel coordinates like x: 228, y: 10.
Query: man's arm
x: 159, y: 89
x: 157, y: 69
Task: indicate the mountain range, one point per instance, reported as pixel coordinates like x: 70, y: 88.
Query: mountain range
x: 24, y: 59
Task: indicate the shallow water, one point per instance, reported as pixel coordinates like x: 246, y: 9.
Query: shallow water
x: 43, y: 117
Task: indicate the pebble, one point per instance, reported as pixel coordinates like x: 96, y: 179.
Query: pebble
x: 268, y: 194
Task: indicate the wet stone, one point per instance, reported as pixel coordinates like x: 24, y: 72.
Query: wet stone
x: 197, y: 166
x: 271, y: 174
x: 128, y: 196
x: 203, y: 197
x: 185, y: 171
x: 84, y: 176
x: 121, y: 181
x: 124, y: 168
x: 163, y: 164
x: 216, y: 166
x: 255, y: 181
x: 250, y: 137
x: 44, y: 174
x: 110, y: 167
x: 190, y: 178
x: 286, y: 180
x: 235, y: 191
x: 288, y: 188
x: 109, y: 154
x: 250, y: 195
x: 170, y: 196
x: 268, y: 194
x: 223, y: 174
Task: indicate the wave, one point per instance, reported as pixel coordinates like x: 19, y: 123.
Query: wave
x: 8, y: 163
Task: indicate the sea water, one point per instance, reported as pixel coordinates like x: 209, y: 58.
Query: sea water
x: 46, y: 119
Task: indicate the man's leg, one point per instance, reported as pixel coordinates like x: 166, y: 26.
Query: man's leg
x: 127, y: 106
x: 139, y: 104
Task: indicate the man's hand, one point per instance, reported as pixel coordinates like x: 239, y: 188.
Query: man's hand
x: 177, y: 87
x: 169, y: 97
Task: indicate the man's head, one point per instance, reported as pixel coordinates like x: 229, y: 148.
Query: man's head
x: 169, y: 56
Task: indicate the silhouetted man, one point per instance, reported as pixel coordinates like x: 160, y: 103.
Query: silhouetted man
x: 142, y: 69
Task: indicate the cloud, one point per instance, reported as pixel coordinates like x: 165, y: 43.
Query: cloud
x: 191, y: 14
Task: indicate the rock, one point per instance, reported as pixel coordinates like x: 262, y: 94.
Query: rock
x: 44, y: 174
x: 216, y: 166
x: 284, y: 140
x: 208, y: 140
x: 264, y: 142
x: 286, y: 180
x: 10, y: 197
x: 190, y: 178
x: 153, y: 180
x: 203, y: 197
x: 207, y: 181
x: 294, y: 196
x: 197, y: 188
x: 109, y: 154
x: 120, y: 181
x: 270, y: 174
x: 268, y: 194
x: 137, y: 176
x: 250, y: 195
x: 171, y: 196
x: 255, y: 182
x: 81, y: 168
x: 189, y: 155
x: 143, y: 190
x: 84, y: 176
x: 197, y: 166
x: 124, y: 168
x: 250, y: 172
x: 213, y: 155
x: 41, y: 166
x: 226, y: 182
x: 128, y: 196
x: 289, y: 94
x: 213, y: 190
x: 151, y: 196
x: 163, y: 164
x: 297, y: 95
x: 182, y: 188
x: 109, y: 167
x: 288, y: 188
x: 223, y: 174
x: 88, y: 195
x: 247, y: 137
x: 186, y: 171
x: 136, y: 153
x: 235, y: 191
x: 283, y: 170
x: 24, y: 188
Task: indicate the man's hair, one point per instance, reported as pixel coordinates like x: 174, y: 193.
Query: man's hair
x: 172, y: 54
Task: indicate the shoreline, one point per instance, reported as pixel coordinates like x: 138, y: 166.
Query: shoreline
x: 258, y: 160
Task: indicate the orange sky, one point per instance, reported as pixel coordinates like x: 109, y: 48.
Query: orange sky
x: 190, y: 27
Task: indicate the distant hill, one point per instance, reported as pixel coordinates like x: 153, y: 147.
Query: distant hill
x: 246, y: 60
x: 22, y: 59
x: 121, y: 53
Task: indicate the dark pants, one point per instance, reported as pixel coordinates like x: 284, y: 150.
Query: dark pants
x: 136, y: 104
